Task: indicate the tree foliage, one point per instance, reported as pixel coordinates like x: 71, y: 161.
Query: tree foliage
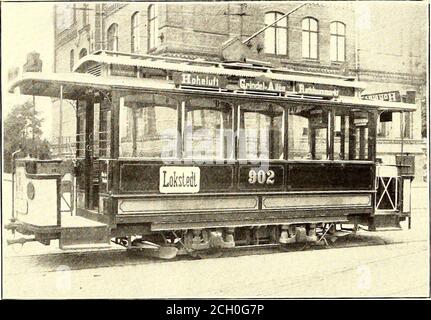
x: 18, y: 134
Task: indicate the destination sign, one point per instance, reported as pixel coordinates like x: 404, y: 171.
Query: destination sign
x: 256, y: 84
x: 199, y: 80
x: 261, y: 84
x: 123, y: 71
x: 393, y: 96
x: 316, y: 90
x: 179, y: 179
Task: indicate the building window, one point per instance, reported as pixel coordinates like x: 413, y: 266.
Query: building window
x: 65, y: 14
x: 134, y: 27
x: 113, y: 37
x: 82, y: 53
x: 72, y: 59
x: 276, y: 34
x: 85, y: 14
x: 310, y: 32
x: 338, y: 41
x: 153, y: 27
x: 407, y: 125
x: 382, y: 129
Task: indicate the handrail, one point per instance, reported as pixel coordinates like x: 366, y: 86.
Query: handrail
x: 13, y: 183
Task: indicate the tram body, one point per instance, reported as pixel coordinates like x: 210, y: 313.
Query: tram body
x: 199, y: 156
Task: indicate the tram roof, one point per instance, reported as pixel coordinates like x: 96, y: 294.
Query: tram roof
x: 213, y: 68
x: 76, y: 85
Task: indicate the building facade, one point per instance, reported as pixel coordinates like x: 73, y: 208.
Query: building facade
x: 340, y: 40
x: 392, y: 55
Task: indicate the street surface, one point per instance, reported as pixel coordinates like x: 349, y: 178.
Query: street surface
x: 369, y: 264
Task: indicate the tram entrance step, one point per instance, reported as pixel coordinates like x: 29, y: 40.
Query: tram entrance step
x: 81, y: 233
x: 386, y: 219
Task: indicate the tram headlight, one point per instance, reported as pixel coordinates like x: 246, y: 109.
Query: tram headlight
x: 30, y: 191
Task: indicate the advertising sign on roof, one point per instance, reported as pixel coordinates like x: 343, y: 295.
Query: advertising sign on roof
x: 199, y: 80
x: 123, y: 71
x: 393, y: 96
x: 264, y: 84
x: 311, y: 89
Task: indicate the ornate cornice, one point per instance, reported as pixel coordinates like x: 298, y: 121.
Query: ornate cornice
x: 402, y: 77
x: 320, y: 68
x: 112, y: 8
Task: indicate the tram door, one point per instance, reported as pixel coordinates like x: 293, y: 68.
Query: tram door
x: 88, y: 154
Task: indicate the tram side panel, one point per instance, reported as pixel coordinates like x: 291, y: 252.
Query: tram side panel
x: 235, y: 194
x: 36, y: 199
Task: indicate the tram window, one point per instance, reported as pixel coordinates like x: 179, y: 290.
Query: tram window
x: 310, y: 142
x: 126, y: 131
x: 104, y: 133
x: 148, y: 126
x: 358, y: 135
x: 321, y: 152
x: 361, y: 143
x: 261, y: 132
x: 80, y: 129
x: 341, y: 137
x: 80, y: 136
x: 155, y: 136
x: 208, y: 131
x: 96, y: 128
x: 309, y: 134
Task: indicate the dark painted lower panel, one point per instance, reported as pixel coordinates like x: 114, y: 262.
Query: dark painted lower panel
x: 245, y: 223
x: 91, y: 215
x: 238, y: 216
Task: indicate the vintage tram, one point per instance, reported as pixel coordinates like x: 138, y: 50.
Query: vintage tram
x: 177, y: 155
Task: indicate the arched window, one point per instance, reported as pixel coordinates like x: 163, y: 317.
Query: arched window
x: 113, y: 37
x: 310, y: 33
x: 134, y: 33
x: 276, y: 34
x: 338, y: 41
x: 153, y: 27
x: 72, y: 59
x: 82, y: 53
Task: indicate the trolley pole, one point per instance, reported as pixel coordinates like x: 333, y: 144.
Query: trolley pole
x: 271, y: 24
x: 13, y: 183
